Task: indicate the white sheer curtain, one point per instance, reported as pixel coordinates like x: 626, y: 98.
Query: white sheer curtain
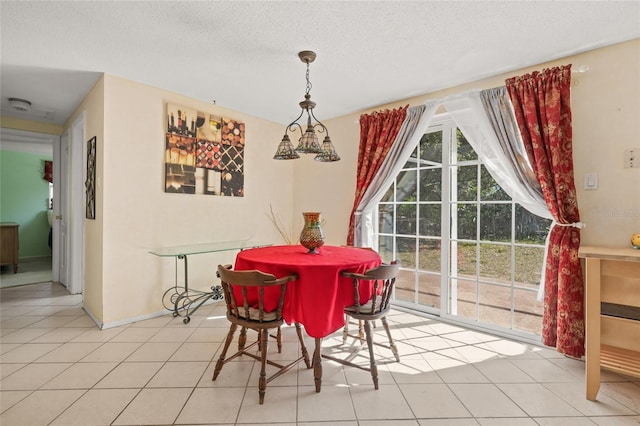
x: 487, y: 121
x: 494, y: 136
x: 412, y: 130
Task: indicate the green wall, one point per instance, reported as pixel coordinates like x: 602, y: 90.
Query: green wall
x: 24, y: 198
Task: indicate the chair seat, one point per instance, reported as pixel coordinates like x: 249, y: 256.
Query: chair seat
x: 365, y: 310
x: 254, y: 315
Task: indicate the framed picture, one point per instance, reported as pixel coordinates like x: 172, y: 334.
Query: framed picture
x: 90, y: 184
x: 204, y: 153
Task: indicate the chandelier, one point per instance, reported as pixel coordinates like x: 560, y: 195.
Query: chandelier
x: 308, y: 141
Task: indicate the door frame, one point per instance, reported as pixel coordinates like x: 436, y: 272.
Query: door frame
x: 59, y: 178
x: 75, y: 204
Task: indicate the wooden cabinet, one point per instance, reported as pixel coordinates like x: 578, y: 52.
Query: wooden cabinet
x: 9, y: 244
x: 612, y: 313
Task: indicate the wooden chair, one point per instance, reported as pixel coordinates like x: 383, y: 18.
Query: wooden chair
x: 345, y: 330
x: 251, y: 314
x: 383, y: 277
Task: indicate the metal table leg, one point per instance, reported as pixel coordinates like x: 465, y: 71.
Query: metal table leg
x: 188, y: 301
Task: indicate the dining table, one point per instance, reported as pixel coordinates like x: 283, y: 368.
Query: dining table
x: 319, y: 295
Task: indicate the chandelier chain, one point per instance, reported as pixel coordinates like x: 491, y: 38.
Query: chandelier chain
x: 308, y: 81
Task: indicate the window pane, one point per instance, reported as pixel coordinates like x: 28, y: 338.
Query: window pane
x: 430, y: 219
x: 529, y: 227
x: 406, y: 186
x: 465, y: 152
x: 429, y: 290
x: 385, y: 248
x: 495, y: 222
x: 528, y: 314
x: 489, y: 188
x: 464, y: 263
x: 495, y: 262
x: 429, y: 256
x: 385, y: 218
x: 494, y: 305
x: 404, y: 288
x: 467, y: 185
x: 528, y: 267
x: 388, y: 196
x: 412, y: 161
x: 431, y: 184
x: 406, y: 219
x: 406, y: 251
x: 431, y: 147
x: 462, y: 298
x: 464, y: 225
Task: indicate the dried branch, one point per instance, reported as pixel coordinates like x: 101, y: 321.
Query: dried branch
x: 285, y: 232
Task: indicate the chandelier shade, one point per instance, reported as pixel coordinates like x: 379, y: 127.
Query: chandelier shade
x: 328, y: 152
x: 285, y: 150
x: 308, y: 141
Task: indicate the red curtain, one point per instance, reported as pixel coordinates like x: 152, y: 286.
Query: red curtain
x: 541, y: 101
x: 48, y: 171
x: 378, y: 131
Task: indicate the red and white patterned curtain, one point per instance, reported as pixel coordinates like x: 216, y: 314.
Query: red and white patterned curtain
x: 541, y: 102
x: 378, y: 132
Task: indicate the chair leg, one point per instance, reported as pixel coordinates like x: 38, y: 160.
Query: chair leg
x: 372, y: 359
x: 345, y: 330
x: 262, y: 382
x: 360, y: 332
x: 242, y: 339
x: 303, y: 348
x: 279, y: 340
x: 392, y: 344
x: 227, y: 342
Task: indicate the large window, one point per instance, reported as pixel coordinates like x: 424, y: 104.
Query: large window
x: 467, y: 251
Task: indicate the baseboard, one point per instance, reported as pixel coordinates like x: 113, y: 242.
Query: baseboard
x: 93, y: 318
x: 104, y: 326
x: 134, y: 319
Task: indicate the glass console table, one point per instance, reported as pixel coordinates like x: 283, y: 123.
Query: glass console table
x: 182, y: 300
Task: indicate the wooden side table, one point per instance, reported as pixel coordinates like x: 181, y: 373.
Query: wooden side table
x: 613, y: 334
x: 9, y: 244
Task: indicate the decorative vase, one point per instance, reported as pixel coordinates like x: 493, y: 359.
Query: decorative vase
x: 312, y: 236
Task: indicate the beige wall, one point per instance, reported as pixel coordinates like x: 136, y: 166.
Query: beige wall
x: 93, y: 110
x: 606, y: 121
x: 30, y: 126
x: 135, y: 215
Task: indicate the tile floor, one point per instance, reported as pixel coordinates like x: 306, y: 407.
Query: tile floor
x: 58, y: 368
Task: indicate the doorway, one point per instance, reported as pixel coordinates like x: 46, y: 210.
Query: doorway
x: 67, y: 152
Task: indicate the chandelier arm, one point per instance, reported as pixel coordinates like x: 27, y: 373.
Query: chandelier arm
x: 294, y: 124
x: 319, y: 123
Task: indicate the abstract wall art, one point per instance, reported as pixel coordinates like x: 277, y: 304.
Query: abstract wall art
x: 204, y: 153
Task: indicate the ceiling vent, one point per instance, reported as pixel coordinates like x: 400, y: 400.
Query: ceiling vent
x: 21, y: 105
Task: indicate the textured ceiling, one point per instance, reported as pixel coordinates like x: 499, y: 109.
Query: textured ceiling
x: 243, y: 55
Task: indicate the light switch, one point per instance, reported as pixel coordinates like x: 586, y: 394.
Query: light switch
x: 590, y: 181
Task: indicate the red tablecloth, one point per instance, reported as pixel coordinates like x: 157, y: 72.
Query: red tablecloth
x: 317, y: 298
